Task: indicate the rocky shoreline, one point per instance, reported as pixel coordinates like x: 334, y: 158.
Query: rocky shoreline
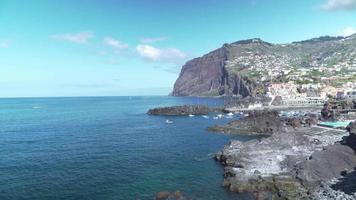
x: 296, y: 159
x: 265, y: 122
x: 292, y: 163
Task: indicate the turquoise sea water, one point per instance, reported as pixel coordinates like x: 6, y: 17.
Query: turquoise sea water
x: 106, y: 148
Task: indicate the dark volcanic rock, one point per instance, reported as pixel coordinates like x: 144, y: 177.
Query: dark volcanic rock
x: 261, y: 165
x: 265, y: 122
x: 165, y: 195
x: 326, y: 165
x: 345, y: 186
x: 257, y: 123
x: 181, y: 110
x: 327, y: 113
x: 351, y: 139
x: 346, y: 183
x: 287, y: 165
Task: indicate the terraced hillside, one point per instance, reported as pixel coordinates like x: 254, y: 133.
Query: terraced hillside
x: 244, y: 67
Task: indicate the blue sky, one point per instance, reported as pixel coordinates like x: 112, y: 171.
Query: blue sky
x: 136, y: 47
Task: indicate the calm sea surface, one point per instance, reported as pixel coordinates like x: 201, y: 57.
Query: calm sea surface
x: 107, y: 148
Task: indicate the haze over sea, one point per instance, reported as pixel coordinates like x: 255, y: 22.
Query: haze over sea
x: 107, y: 148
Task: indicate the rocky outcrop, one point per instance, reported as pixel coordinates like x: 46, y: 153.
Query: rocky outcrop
x: 287, y: 165
x: 182, y: 110
x: 351, y: 139
x: 265, y: 122
x: 257, y: 166
x: 344, y: 187
x: 256, y: 123
x: 165, y: 195
x: 325, y: 165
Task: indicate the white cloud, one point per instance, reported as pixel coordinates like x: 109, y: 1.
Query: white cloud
x: 153, y: 39
x: 80, y: 37
x: 347, y: 31
x: 149, y: 52
x: 115, y: 43
x: 332, y: 5
x: 171, y: 55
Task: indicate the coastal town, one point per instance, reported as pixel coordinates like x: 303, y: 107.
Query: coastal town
x: 296, y: 79
x: 293, y: 94
x: 288, y: 72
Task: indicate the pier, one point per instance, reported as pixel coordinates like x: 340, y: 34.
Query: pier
x: 315, y: 101
x: 300, y: 103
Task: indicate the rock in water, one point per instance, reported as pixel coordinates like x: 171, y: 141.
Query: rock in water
x: 181, y: 110
x: 165, y: 195
x: 264, y: 122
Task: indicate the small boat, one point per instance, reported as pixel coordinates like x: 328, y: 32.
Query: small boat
x: 169, y: 122
x: 230, y: 114
x: 191, y: 115
x: 205, y: 116
x: 220, y: 115
x: 215, y: 117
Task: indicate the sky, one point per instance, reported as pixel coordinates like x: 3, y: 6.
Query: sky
x: 137, y: 47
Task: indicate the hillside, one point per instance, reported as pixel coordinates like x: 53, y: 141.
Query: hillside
x: 244, y: 67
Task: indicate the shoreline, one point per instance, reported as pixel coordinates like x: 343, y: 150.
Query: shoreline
x: 295, y: 157
x: 278, y: 108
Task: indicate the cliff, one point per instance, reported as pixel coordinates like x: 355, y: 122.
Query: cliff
x: 208, y: 76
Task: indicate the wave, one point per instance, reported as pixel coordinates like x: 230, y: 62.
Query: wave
x: 206, y: 157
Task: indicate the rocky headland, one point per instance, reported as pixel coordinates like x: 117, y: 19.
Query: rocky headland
x: 183, y: 110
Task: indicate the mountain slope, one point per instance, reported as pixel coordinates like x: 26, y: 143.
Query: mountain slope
x: 242, y: 68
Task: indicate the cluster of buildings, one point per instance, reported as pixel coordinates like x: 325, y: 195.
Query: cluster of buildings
x: 291, y: 93
x: 285, y: 90
x: 295, y: 77
x: 317, y: 68
x: 258, y: 63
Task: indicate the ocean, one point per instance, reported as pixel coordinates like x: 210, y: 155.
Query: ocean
x: 107, y: 148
